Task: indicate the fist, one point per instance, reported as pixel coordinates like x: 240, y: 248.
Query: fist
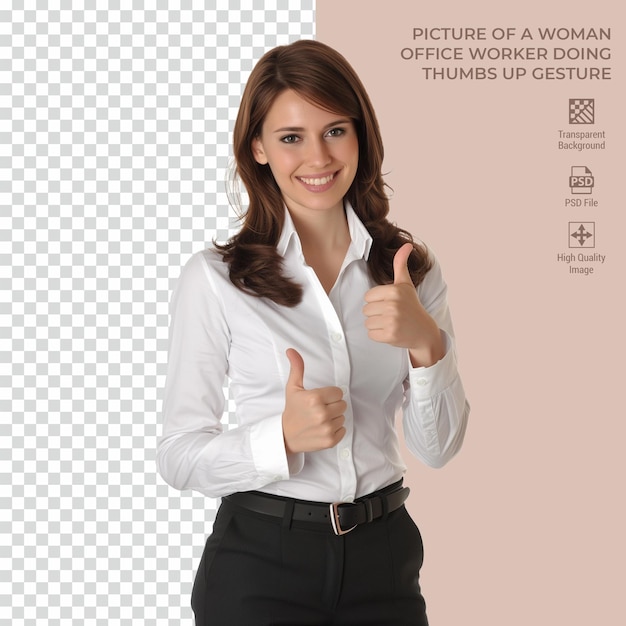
x: 313, y: 418
x: 395, y: 315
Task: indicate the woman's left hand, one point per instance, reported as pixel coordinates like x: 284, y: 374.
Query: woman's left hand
x: 395, y: 315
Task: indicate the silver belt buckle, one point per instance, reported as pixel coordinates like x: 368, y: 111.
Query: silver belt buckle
x: 334, y: 520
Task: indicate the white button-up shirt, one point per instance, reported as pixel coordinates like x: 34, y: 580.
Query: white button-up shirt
x: 218, y: 330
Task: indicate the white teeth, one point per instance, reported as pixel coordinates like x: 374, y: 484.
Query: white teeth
x: 317, y: 181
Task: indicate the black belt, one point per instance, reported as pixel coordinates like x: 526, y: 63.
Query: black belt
x: 343, y: 516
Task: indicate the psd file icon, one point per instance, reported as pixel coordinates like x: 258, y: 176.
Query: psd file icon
x: 581, y: 180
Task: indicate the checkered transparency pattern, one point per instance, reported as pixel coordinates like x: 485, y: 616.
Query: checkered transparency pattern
x: 115, y: 123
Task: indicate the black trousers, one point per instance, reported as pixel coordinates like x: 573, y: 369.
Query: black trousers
x: 259, y: 570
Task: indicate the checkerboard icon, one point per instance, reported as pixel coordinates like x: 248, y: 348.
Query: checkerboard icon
x: 582, y: 110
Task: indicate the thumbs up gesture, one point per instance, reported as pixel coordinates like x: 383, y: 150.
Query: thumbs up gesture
x: 313, y: 418
x: 394, y: 315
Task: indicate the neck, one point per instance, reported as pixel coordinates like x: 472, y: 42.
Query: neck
x: 325, y: 238
x: 324, y: 231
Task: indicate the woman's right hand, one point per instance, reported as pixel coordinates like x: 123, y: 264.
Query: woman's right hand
x: 313, y: 418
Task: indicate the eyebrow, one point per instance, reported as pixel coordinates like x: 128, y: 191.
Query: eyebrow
x: 300, y: 129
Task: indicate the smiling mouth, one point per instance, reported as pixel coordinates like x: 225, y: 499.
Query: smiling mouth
x: 317, y: 181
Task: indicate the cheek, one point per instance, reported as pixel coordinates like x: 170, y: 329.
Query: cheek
x: 351, y: 152
x: 282, y: 164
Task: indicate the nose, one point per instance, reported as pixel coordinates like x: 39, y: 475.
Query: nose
x: 318, y: 154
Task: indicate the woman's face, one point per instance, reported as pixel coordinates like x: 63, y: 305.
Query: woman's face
x: 312, y: 153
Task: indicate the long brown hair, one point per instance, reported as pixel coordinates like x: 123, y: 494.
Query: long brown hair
x: 323, y: 77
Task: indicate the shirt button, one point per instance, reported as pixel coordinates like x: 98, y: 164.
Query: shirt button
x: 344, y: 390
x: 345, y: 453
x: 336, y: 337
x: 422, y: 382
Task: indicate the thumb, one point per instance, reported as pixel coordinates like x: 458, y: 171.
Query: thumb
x: 296, y: 371
x: 400, y: 268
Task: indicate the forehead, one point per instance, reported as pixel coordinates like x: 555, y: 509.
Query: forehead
x: 289, y: 109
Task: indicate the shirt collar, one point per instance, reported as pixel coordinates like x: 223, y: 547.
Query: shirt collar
x: 361, y: 239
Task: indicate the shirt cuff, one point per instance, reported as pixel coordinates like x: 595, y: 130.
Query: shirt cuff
x: 430, y: 381
x: 268, y: 451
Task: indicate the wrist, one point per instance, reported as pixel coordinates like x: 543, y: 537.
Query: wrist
x: 429, y: 354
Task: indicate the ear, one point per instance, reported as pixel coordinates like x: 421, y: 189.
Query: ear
x: 258, y: 152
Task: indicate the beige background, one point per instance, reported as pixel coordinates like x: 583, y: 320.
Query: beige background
x: 526, y: 525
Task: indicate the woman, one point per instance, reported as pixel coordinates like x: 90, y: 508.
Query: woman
x: 328, y: 320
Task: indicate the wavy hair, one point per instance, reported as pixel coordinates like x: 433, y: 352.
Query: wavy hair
x: 323, y: 77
